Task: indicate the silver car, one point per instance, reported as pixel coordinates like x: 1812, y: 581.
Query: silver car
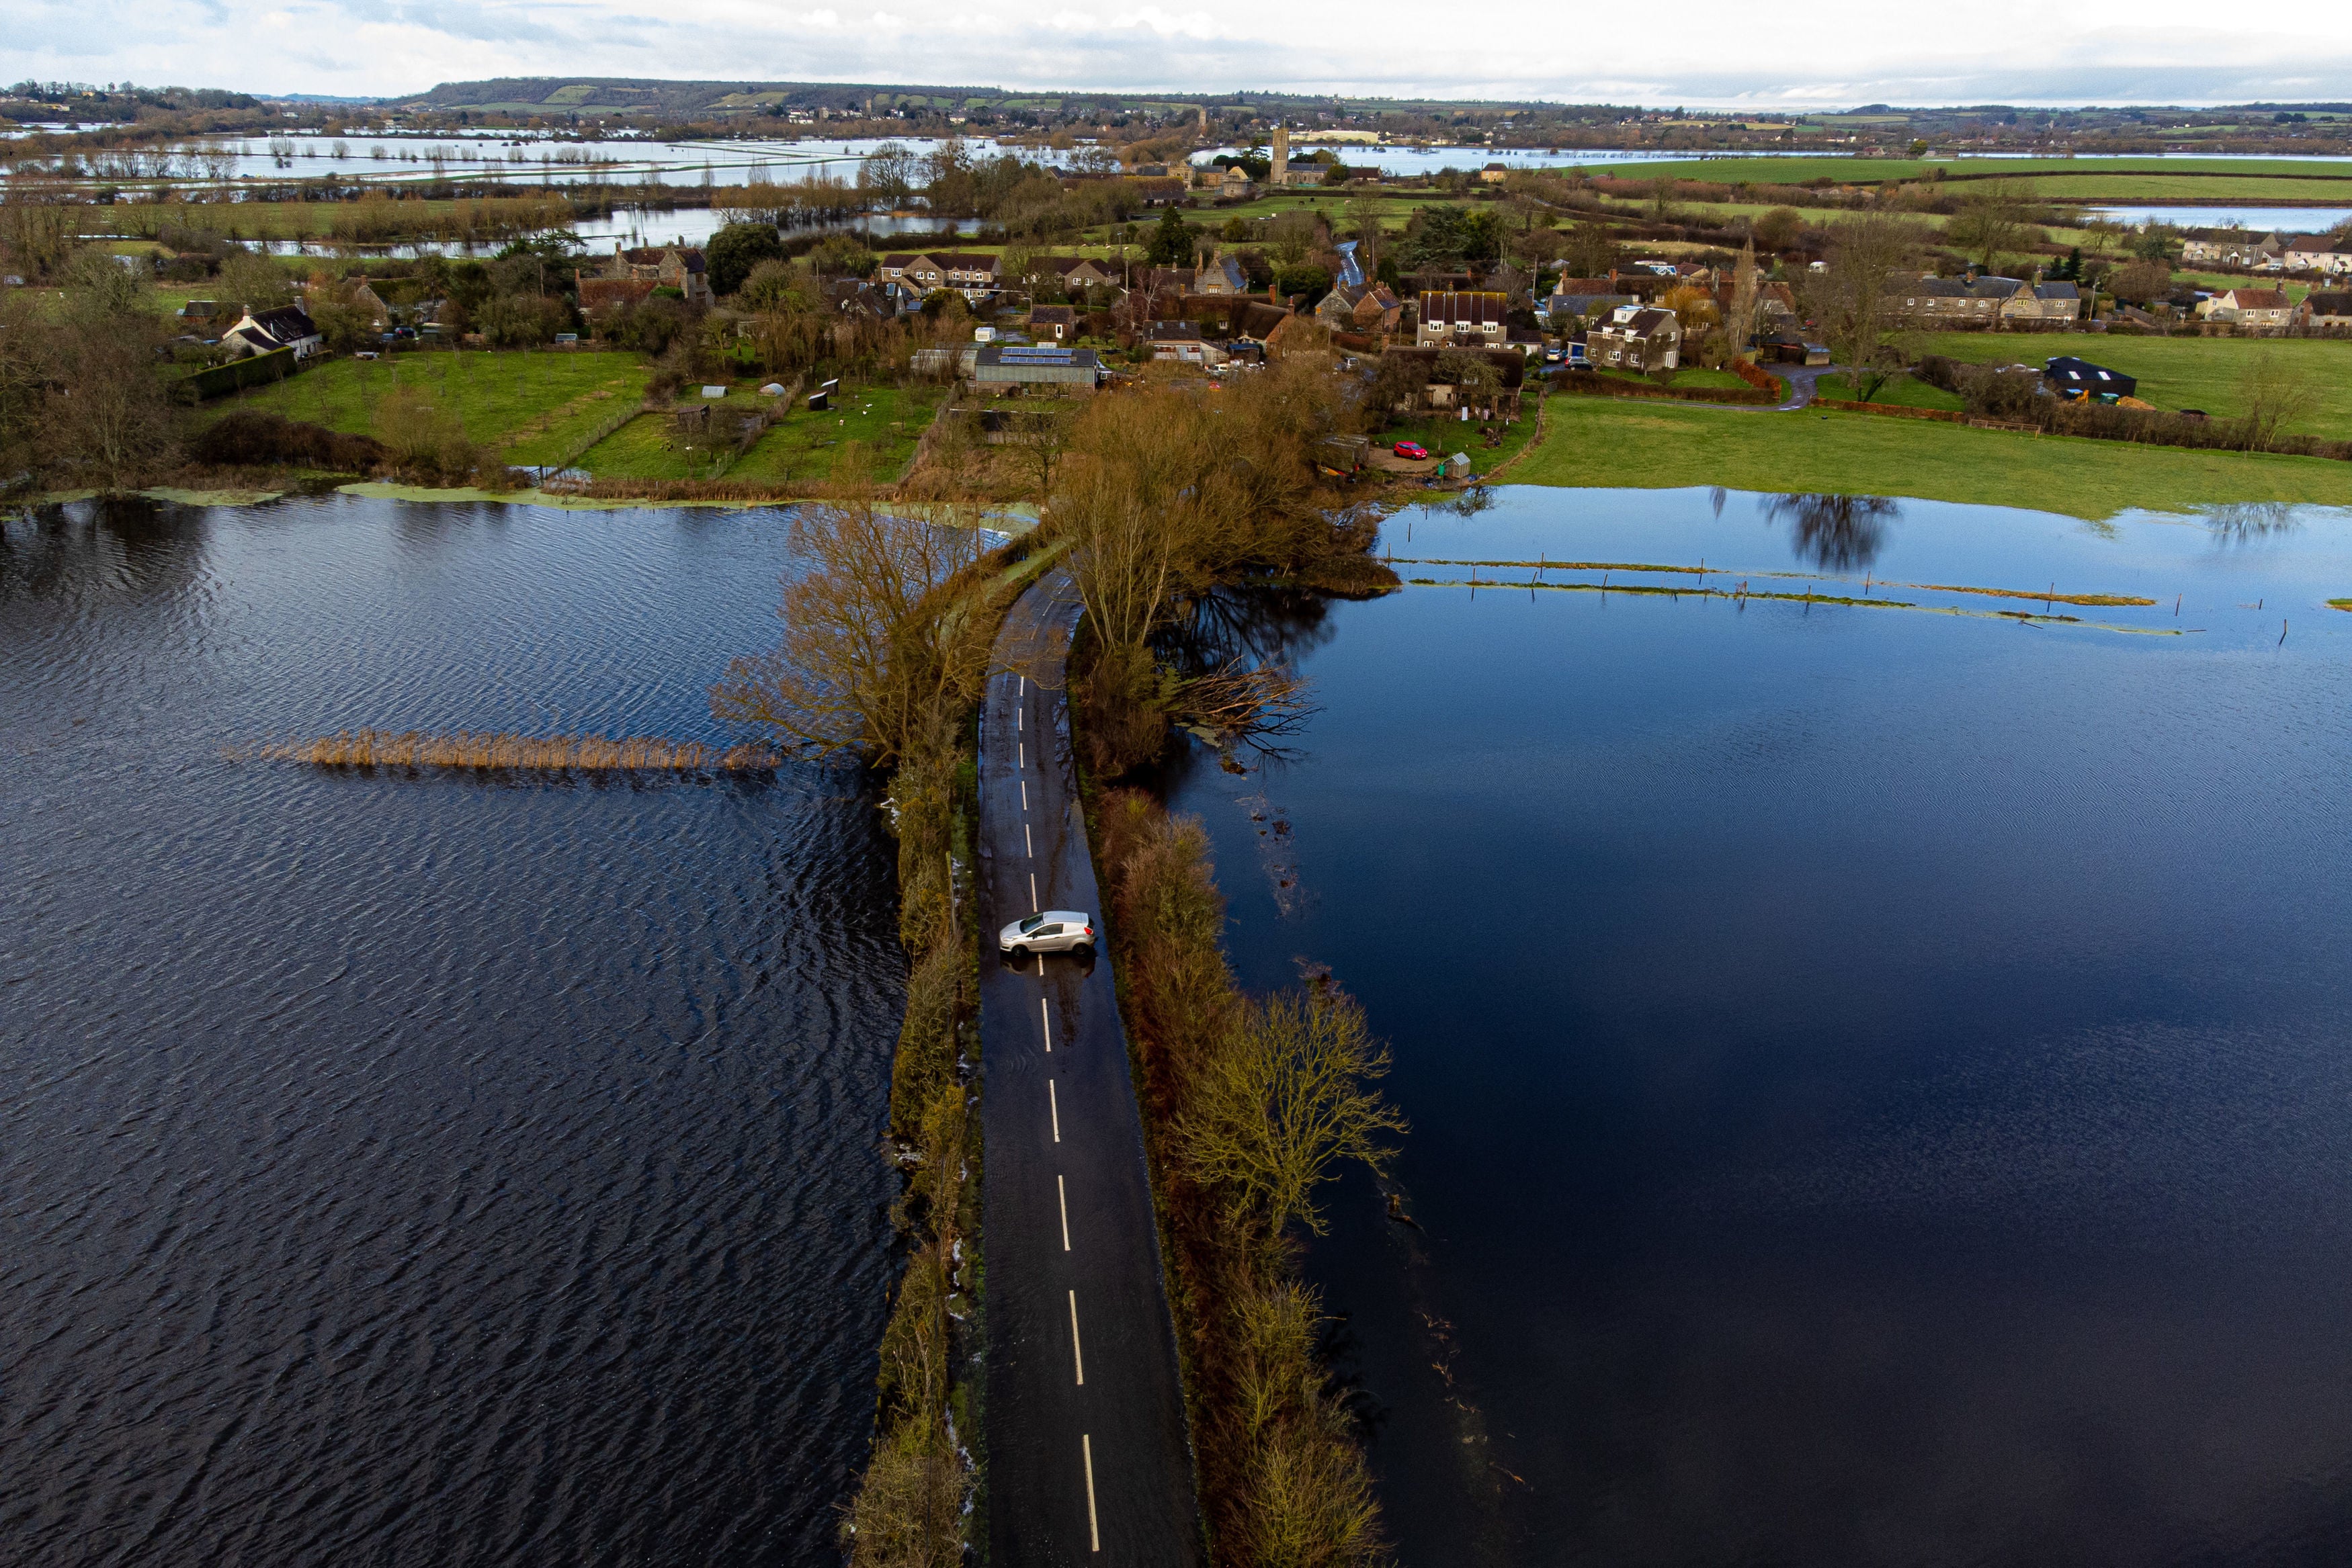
x: 1049, y: 931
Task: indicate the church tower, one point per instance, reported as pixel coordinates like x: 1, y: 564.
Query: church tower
x: 1280, y: 174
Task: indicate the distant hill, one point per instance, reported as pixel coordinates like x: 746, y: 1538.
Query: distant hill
x: 644, y: 95
x: 649, y: 96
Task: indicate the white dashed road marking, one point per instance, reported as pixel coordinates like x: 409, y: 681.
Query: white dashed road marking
x: 1078, y: 1356
x: 1093, y: 1530
x: 1054, y: 1109
x: 1063, y: 1193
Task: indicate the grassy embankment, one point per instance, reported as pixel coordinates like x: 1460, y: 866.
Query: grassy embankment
x: 1282, y: 1480
x: 910, y: 1508
x: 2183, y: 372
x: 1593, y: 442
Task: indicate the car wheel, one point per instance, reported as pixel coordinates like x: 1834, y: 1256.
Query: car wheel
x: 1084, y: 951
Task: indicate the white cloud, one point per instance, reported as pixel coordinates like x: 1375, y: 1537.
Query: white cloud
x: 1728, y: 53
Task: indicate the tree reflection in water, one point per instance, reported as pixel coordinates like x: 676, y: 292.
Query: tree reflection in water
x: 2251, y: 522
x: 1835, y: 533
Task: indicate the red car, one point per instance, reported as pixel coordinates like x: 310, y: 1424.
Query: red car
x: 1413, y: 449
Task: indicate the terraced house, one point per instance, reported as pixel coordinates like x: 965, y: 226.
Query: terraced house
x: 1474, y: 316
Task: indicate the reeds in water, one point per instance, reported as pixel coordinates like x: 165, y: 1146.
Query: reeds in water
x: 464, y: 748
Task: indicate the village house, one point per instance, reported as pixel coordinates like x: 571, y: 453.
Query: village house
x: 2043, y: 303
x: 1445, y: 397
x: 1181, y: 343
x: 1222, y: 276
x: 857, y: 299
x: 2262, y: 254
x: 681, y: 267
x: 1054, y: 323
x: 2319, y: 254
x: 1472, y: 317
x: 1958, y: 301
x: 2257, y: 309
x: 972, y: 273
x: 1494, y: 173
x: 2332, y: 311
x: 1075, y: 274
x: 1260, y: 325
x: 1360, y: 310
x: 1636, y: 338
x: 266, y: 332
x: 358, y: 294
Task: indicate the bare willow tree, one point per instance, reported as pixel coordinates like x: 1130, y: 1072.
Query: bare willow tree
x: 2275, y: 393
x: 1285, y: 1099
x: 1994, y: 217
x: 872, y: 651
x: 1852, y: 295
x: 1166, y: 491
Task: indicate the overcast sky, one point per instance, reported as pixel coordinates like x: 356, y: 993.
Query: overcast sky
x: 1722, y: 53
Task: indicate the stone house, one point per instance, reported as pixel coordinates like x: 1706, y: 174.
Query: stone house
x: 2259, y: 310
x: 2332, y: 311
x: 681, y: 267
x: 1075, y: 274
x: 2263, y: 253
x: 1223, y: 276
x: 1359, y: 308
x: 1053, y: 323
x: 1958, y: 301
x: 1636, y: 338
x: 1494, y: 173
x: 975, y: 274
x: 1462, y: 317
x: 2042, y: 302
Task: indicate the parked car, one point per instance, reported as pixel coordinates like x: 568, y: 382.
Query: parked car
x: 1048, y: 931
x: 1413, y: 449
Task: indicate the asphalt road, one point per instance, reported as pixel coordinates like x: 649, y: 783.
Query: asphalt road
x: 1088, y: 1457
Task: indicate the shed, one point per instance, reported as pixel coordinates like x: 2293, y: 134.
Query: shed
x: 2070, y: 377
x: 1022, y: 364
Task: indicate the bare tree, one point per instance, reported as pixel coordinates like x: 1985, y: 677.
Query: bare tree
x: 1993, y: 218
x: 2274, y: 394
x: 1284, y: 1098
x: 1850, y: 296
x: 871, y: 653
x: 1741, y: 325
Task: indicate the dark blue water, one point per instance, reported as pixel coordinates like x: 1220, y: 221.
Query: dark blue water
x: 1881, y: 1082
x: 434, y: 1169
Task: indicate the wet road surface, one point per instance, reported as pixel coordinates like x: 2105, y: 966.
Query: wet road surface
x: 1088, y: 1458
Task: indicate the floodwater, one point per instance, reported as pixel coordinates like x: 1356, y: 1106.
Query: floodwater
x: 422, y: 1170
x: 1879, y: 1078
x: 2256, y: 220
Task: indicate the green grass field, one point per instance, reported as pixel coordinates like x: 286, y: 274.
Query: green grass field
x: 1593, y: 442
x: 536, y: 406
x: 1873, y: 171
x: 2182, y: 372
x: 884, y: 421
x: 1901, y: 391
x: 800, y: 449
